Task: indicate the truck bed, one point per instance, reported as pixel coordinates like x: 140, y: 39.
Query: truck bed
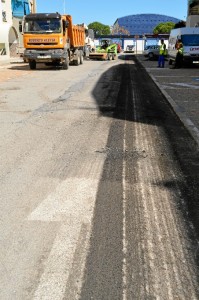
x: 76, y: 33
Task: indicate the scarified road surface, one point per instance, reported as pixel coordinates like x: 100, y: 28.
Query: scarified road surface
x: 99, y: 193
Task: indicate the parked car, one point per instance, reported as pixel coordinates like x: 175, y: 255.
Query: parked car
x: 130, y: 48
x: 151, y: 51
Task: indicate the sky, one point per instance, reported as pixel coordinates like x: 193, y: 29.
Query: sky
x: 107, y: 11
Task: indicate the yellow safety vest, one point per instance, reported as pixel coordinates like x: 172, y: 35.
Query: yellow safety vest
x: 162, y: 49
x: 180, y: 50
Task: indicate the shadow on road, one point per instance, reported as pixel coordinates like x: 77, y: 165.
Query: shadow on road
x: 119, y: 92
x: 40, y: 67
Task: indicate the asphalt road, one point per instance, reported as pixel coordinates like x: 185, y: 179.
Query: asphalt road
x: 99, y: 187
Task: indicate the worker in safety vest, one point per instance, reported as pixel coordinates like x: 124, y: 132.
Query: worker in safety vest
x: 162, y: 53
x: 179, y: 55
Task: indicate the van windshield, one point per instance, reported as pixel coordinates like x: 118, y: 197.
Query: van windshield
x: 190, y: 39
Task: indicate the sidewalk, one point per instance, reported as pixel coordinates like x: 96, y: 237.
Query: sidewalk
x: 181, y: 88
x: 6, y: 60
x: 12, y: 68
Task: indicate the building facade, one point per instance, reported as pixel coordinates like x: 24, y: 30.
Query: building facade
x: 193, y: 13
x: 11, y: 13
x: 142, y: 24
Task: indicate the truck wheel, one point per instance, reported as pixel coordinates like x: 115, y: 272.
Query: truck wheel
x: 77, y: 61
x: 66, y: 63
x: 32, y: 64
x: 81, y: 58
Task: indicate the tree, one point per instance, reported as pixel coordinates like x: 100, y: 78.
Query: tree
x: 117, y: 29
x: 163, y: 27
x: 99, y: 28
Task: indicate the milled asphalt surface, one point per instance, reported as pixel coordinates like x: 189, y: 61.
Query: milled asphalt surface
x: 181, y: 88
x: 141, y: 243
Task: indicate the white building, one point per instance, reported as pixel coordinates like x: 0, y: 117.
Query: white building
x: 10, y: 38
x: 193, y: 13
x: 6, y: 30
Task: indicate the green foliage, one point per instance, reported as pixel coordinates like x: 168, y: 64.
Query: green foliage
x: 99, y: 28
x: 164, y: 27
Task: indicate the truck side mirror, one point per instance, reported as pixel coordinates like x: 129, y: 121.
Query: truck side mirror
x: 20, y: 27
x: 65, y: 25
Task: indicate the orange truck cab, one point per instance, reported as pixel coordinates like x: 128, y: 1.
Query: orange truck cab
x: 52, y: 38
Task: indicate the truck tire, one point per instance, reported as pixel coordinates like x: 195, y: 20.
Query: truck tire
x: 32, y: 64
x: 77, y: 61
x: 81, y: 58
x: 65, y: 64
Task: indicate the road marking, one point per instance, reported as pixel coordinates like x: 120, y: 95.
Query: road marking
x: 54, y: 278
x: 71, y: 198
x: 175, y: 86
x: 185, y: 85
x: 70, y: 204
x: 124, y: 267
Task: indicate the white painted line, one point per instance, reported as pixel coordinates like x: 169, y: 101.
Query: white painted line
x: 53, y: 280
x: 124, y: 267
x: 196, y: 87
x: 71, y: 198
x: 169, y: 76
x: 70, y: 204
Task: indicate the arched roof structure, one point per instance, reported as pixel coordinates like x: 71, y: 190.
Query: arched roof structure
x: 141, y: 24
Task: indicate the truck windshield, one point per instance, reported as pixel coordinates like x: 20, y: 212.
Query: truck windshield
x: 190, y: 39
x: 42, y: 26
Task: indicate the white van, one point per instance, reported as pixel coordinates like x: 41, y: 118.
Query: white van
x: 190, y: 40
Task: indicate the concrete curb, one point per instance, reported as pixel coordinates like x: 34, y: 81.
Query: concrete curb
x: 8, y: 60
x: 193, y: 130
x: 182, y: 116
x: 7, y: 63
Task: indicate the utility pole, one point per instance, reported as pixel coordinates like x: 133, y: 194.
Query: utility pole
x: 34, y: 6
x: 64, y: 7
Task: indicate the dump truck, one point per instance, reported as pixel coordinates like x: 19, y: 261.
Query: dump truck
x: 52, y: 38
x: 105, y: 51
